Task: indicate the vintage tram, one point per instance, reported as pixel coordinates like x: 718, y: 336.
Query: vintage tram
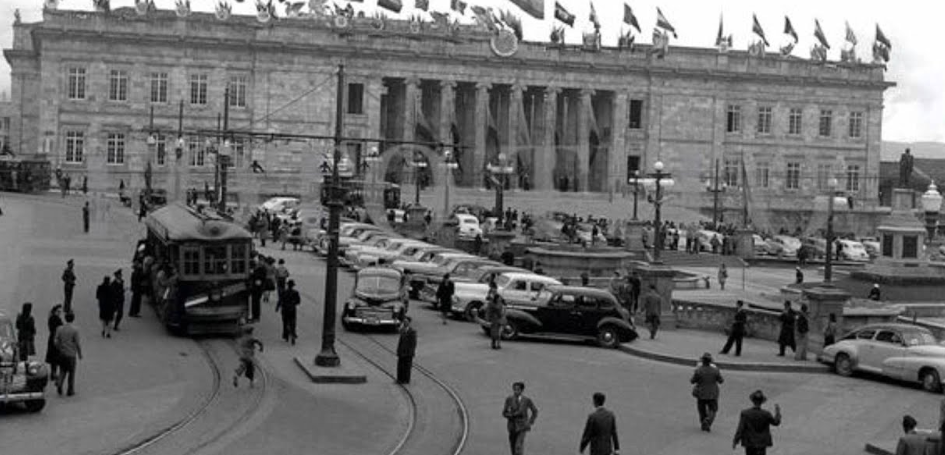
x: 199, y: 269
x: 23, y: 175
x: 354, y: 192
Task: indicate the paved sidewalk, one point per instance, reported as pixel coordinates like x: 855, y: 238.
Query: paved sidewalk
x: 685, y: 347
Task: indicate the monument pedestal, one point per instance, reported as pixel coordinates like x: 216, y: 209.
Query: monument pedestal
x: 660, y: 276
x: 633, y: 235
x: 824, y: 300
x: 498, y: 242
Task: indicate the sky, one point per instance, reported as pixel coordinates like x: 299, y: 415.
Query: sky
x: 914, y: 109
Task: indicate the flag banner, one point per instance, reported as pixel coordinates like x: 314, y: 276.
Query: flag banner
x: 392, y: 5
x: 663, y: 23
x: 421, y: 5
x: 718, y: 36
x: 787, y: 49
x: 593, y: 16
x: 440, y: 19
x: 881, y: 38
x: 294, y: 9
x: 459, y: 6
x: 880, y: 53
x: 630, y: 19
x: 563, y: 15
x: 534, y: 8
x: 789, y: 29
x: 851, y: 37
x: 660, y: 45
x: 756, y: 29
x: 819, y: 34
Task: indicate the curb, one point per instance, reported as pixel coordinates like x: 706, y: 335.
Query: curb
x: 691, y: 362
x: 876, y: 450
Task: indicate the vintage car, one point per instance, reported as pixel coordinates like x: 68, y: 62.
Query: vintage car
x: 468, y: 225
x: 570, y: 312
x: 899, y: 351
x: 517, y: 288
x: 783, y: 246
x: 428, y: 263
x: 460, y: 266
x: 381, y: 253
x: 872, y: 246
x: 347, y: 233
x: 20, y: 382
x: 378, y: 299
x: 852, y: 250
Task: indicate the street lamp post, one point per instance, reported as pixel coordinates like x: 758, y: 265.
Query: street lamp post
x: 931, y: 204
x: 660, y: 179
x: 449, y: 164
x: 503, y: 169
x: 371, y: 160
x: 418, y: 165
x: 635, y: 182
x: 179, y: 150
x: 829, y: 250
x: 716, y: 187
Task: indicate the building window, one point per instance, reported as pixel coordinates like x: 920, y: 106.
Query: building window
x: 762, y: 175
x: 158, y: 87
x: 733, y: 120
x: 730, y: 174
x: 196, y: 152
x: 198, y: 89
x: 636, y: 114
x: 793, y: 176
x: 823, y: 175
x: 239, y: 150
x: 856, y: 124
x: 160, y: 150
x: 75, y: 146
x: 853, y: 177
x: 794, y: 121
x: 355, y: 98
x: 238, y: 91
x: 118, y: 85
x: 76, y: 84
x: 888, y: 245
x: 764, y: 120
x: 115, y: 149
x: 910, y: 246
x: 826, y: 122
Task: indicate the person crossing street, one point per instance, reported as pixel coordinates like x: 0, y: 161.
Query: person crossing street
x: 68, y: 285
x: 444, y: 297
x: 288, y: 304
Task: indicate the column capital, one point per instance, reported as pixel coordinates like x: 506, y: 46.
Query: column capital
x: 448, y: 84
x: 587, y: 92
x: 412, y: 80
x: 552, y: 90
x: 518, y: 88
x: 483, y: 86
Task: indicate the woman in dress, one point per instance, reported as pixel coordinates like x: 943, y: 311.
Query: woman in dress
x: 52, y: 354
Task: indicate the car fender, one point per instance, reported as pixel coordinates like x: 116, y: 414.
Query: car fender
x: 610, y: 320
x: 522, y: 317
x: 913, y: 365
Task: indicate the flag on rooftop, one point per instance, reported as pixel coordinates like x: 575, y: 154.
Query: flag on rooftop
x: 881, y: 38
x: 563, y: 15
x: 459, y: 6
x: 756, y: 29
x: 393, y: 5
x: 630, y: 19
x: 819, y: 34
x: 663, y: 23
x: 851, y: 37
x: 789, y: 29
x: 534, y: 8
x: 421, y: 5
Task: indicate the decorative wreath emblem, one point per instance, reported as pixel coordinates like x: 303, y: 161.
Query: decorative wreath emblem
x: 504, y: 43
x: 414, y: 27
x: 340, y: 21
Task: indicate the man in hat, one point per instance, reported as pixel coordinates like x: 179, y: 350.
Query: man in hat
x: 68, y: 285
x: 118, y: 297
x: 705, y: 390
x: 798, y: 275
x: 406, y: 349
x: 754, y: 426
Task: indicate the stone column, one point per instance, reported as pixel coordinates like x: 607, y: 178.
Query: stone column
x: 824, y: 300
x: 447, y: 110
x: 546, y: 154
x: 583, y: 146
x: 482, y: 110
x: 617, y: 159
x: 514, y: 147
x: 660, y: 276
x: 411, y: 104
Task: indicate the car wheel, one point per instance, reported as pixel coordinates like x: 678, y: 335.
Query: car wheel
x: 472, y: 310
x: 510, y: 331
x: 35, y: 405
x: 931, y: 381
x: 608, y: 337
x: 843, y: 365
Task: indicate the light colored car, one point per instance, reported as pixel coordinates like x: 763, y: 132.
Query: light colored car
x: 468, y: 225
x: 704, y: 239
x: 381, y: 253
x: 417, y: 271
x: 872, y: 246
x: 899, y: 351
x: 759, y: 244
x: 853, y: 251
x: 280, y: 204
x: 783, y: 246
x: 517, y: 288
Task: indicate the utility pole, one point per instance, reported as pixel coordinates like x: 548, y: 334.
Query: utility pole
x: 216, y: 167
x: 327, y: 357
x: 223, y: 160
x: 715, y: 198
x: 179, y: 150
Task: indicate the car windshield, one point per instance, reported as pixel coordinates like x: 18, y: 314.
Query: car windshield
x: 378, y: 284
x: 544, y: 296
x: 919, y: 338
x: 502, y: 281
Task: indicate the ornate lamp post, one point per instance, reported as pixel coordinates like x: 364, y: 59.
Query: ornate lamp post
x: 635, y: 182
x: 448, y: 164
x: 503, y: 169
x: 418, y: 165
x: 373, y: 157
x: 931, y: 203
x: 828, y: 261
x: 660, y: 179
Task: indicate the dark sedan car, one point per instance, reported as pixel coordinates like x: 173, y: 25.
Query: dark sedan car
x: 20, y: 382
x: 571, y: 312
x: 378, y: 299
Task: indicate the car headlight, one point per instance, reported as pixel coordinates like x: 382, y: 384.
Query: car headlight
x: 350, y: 306
x: 32, y: 369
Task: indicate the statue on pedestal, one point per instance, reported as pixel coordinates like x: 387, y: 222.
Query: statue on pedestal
x: 905, y: 169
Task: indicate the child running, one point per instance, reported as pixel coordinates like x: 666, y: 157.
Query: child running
x: 247, y: 344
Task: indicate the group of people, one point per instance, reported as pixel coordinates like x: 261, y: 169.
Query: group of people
x: 63, y: 347
x: 265, y: 225
x: 267, y: 276
x: 111, y: 303
x: 794, y: 331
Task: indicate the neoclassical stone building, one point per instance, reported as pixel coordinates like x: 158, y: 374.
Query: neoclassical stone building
x: 574, y: 123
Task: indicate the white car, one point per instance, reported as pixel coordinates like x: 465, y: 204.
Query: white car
x: 517, y: 288
x: 900, y: 351
x: 468, y: 225
x: 280, y: 204
x: 853, y: 251
x: 784, y: 246
x: 383, y: 252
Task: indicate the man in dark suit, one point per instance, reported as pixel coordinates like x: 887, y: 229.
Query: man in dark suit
x: 737, y: 332
x: 406, y: 348
x: 601, y: 430
x: 706, y: 380
x: 754, y: 426
x: 521, y: 413
x: 912, y: 442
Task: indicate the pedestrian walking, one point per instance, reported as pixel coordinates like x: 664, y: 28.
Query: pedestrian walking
x: 477, y: 245
x: 106, y: 310
x: 85, y: 184
x: 118, y: 298
x: 269, y: 265
x: 85, y: 217
x: 722, y: 275
x: 600, y: 431
x: 636, y: 285
x: 798, y: 275
x: 142, y: 209
x: 247, y: 367
x: 520, y: 413
x: 289, y: 303
x: 26, y: 332
x: 137, y: 286
x: 652, y: 305
x: 754, y: 426
x: 406, y: 349
x: 585, y: 279
x: 786, y: 337
x: 495, y: 314
x: 69, y: 351
x: 830, y: 331
x: 257, y: 284
x: 281, y: 274
x: 705, y: 389
x: 803, y: 328
x: 737, y: 332
x: 52, y: 354
x: 444, y: 297
x: 874, y: 292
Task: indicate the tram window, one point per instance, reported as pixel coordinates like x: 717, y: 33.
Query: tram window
x: 239, y: 256
x: 214, y: 260
x: 191, y: 260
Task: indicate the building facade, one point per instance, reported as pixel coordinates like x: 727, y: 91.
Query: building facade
x: 572, y: 122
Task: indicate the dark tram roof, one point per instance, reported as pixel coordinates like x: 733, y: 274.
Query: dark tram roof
x: 178, y: 222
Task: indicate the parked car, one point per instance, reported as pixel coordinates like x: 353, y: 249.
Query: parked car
x: 815, y: 246
x: 517, y: 288
x: 20, y: 382
x: 486, y: 273
x: 872, y: 246
x: 468, y: 225
x: 280, y: 204
x: 381, y: 253
x: 759, y: 244
x: 570, y: 312
x: 900, y: 351
x: 783, y: 246
x: 418, y: 271
x: 704, y: 239
x: 377, y: 300
x: 852, y: 250
x: 455, y: 267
